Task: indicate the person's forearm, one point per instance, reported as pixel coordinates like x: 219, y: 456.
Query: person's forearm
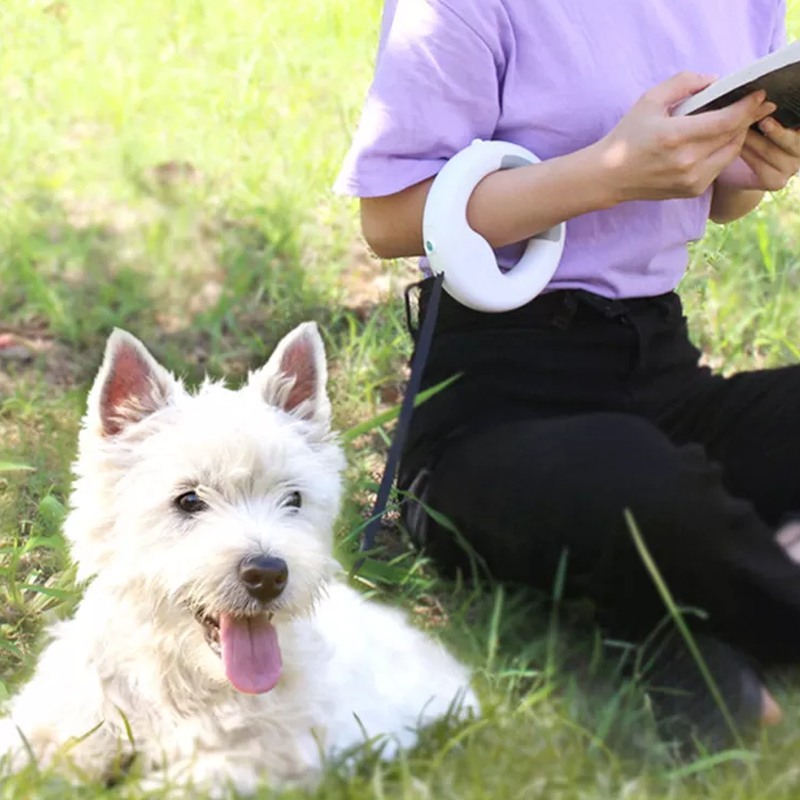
x: 506, y: 207
x: 513, y: 205
x: 729, y: 204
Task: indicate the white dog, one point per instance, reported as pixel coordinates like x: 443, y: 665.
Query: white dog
x: 213, y: 628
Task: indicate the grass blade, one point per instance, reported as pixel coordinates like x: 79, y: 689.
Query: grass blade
x: 494, y: 630
x: 393, y: 413
x: 710, y: 762
x: 58, y: 594
x: 680, y: 622
x: 11, y: 648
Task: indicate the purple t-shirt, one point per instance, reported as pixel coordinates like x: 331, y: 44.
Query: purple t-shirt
x: 553, y: 76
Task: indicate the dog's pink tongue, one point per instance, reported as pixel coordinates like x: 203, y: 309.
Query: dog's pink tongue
x: 250, y: 653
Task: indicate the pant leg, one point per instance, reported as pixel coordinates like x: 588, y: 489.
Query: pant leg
x: 750, y: 424
x: 522, y: 492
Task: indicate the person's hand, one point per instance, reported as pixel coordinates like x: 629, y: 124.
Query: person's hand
x: 651, y: 155
x: 767, y: 160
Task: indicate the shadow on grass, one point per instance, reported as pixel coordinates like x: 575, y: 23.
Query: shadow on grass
x: 207, y: 289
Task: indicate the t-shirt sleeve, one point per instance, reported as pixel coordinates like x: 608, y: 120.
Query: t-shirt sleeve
x: 436, y: 88
x: 779, y: 38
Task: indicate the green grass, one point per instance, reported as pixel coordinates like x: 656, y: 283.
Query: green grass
x: 166, y: 168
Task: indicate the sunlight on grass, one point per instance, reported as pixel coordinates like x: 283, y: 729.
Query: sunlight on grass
x: 167, y: 167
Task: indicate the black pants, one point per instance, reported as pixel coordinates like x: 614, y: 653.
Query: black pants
x: 574, y: 408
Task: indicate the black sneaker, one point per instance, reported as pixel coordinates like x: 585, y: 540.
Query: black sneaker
x: 684, y: 706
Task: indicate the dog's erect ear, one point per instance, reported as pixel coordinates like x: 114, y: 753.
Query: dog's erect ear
x: 130, y: 385
x: 295, y: 377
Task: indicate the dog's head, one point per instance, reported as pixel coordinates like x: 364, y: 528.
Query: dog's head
x: 214, y: 510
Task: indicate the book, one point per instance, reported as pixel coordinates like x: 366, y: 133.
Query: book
x: 777, y: 73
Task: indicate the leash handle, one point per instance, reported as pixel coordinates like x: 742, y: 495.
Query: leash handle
x: 406, y: 409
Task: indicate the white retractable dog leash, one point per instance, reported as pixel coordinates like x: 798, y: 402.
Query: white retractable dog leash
x: 465, y: 266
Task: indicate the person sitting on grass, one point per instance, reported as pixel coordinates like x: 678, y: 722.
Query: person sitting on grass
x: 591, y: 400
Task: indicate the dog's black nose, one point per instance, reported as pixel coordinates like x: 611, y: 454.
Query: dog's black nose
x: 264, y: 577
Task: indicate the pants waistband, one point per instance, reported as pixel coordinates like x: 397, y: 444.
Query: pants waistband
x: 558, y: 309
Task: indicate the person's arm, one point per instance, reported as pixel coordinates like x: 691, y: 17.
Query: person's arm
x: 543, y: 195
x: 739, y: 190
x: 648, y: 156
x: 767, y: 161
x: 729, y: 204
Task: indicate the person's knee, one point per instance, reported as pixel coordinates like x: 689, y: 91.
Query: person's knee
x: 528, y: 491
x: 633, y: 467
x: 559, y: 471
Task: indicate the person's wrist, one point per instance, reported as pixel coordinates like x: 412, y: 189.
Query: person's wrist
x: 605, y: 171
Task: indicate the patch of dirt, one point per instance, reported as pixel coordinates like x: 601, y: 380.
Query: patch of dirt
x: 82, y: 131
x: 369, y: 281
x: 13, y: 352
x: 431, y: 612
x: 28, y: 348
x: 59, y: 10
x: 103, y: 213
x: 170, y: 174
x: 161, y: 181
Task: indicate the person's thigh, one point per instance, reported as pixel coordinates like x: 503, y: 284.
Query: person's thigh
x: 750, y: 424
x: 522, y: 494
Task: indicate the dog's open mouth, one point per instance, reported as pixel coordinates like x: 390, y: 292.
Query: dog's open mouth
x: 248, y: 647
x: 210, y: 625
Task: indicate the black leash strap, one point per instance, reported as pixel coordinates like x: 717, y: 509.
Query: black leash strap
x: 406, y: 409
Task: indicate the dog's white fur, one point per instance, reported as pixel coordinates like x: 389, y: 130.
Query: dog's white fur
x: 135, y: 654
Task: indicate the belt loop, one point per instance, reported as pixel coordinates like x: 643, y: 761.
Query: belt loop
x: 608, y: 307
x: 564, y: 315
x: 673, y: 305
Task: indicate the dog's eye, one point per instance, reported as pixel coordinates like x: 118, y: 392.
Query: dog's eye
x: 293, y: 500
x: 190, y: 503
